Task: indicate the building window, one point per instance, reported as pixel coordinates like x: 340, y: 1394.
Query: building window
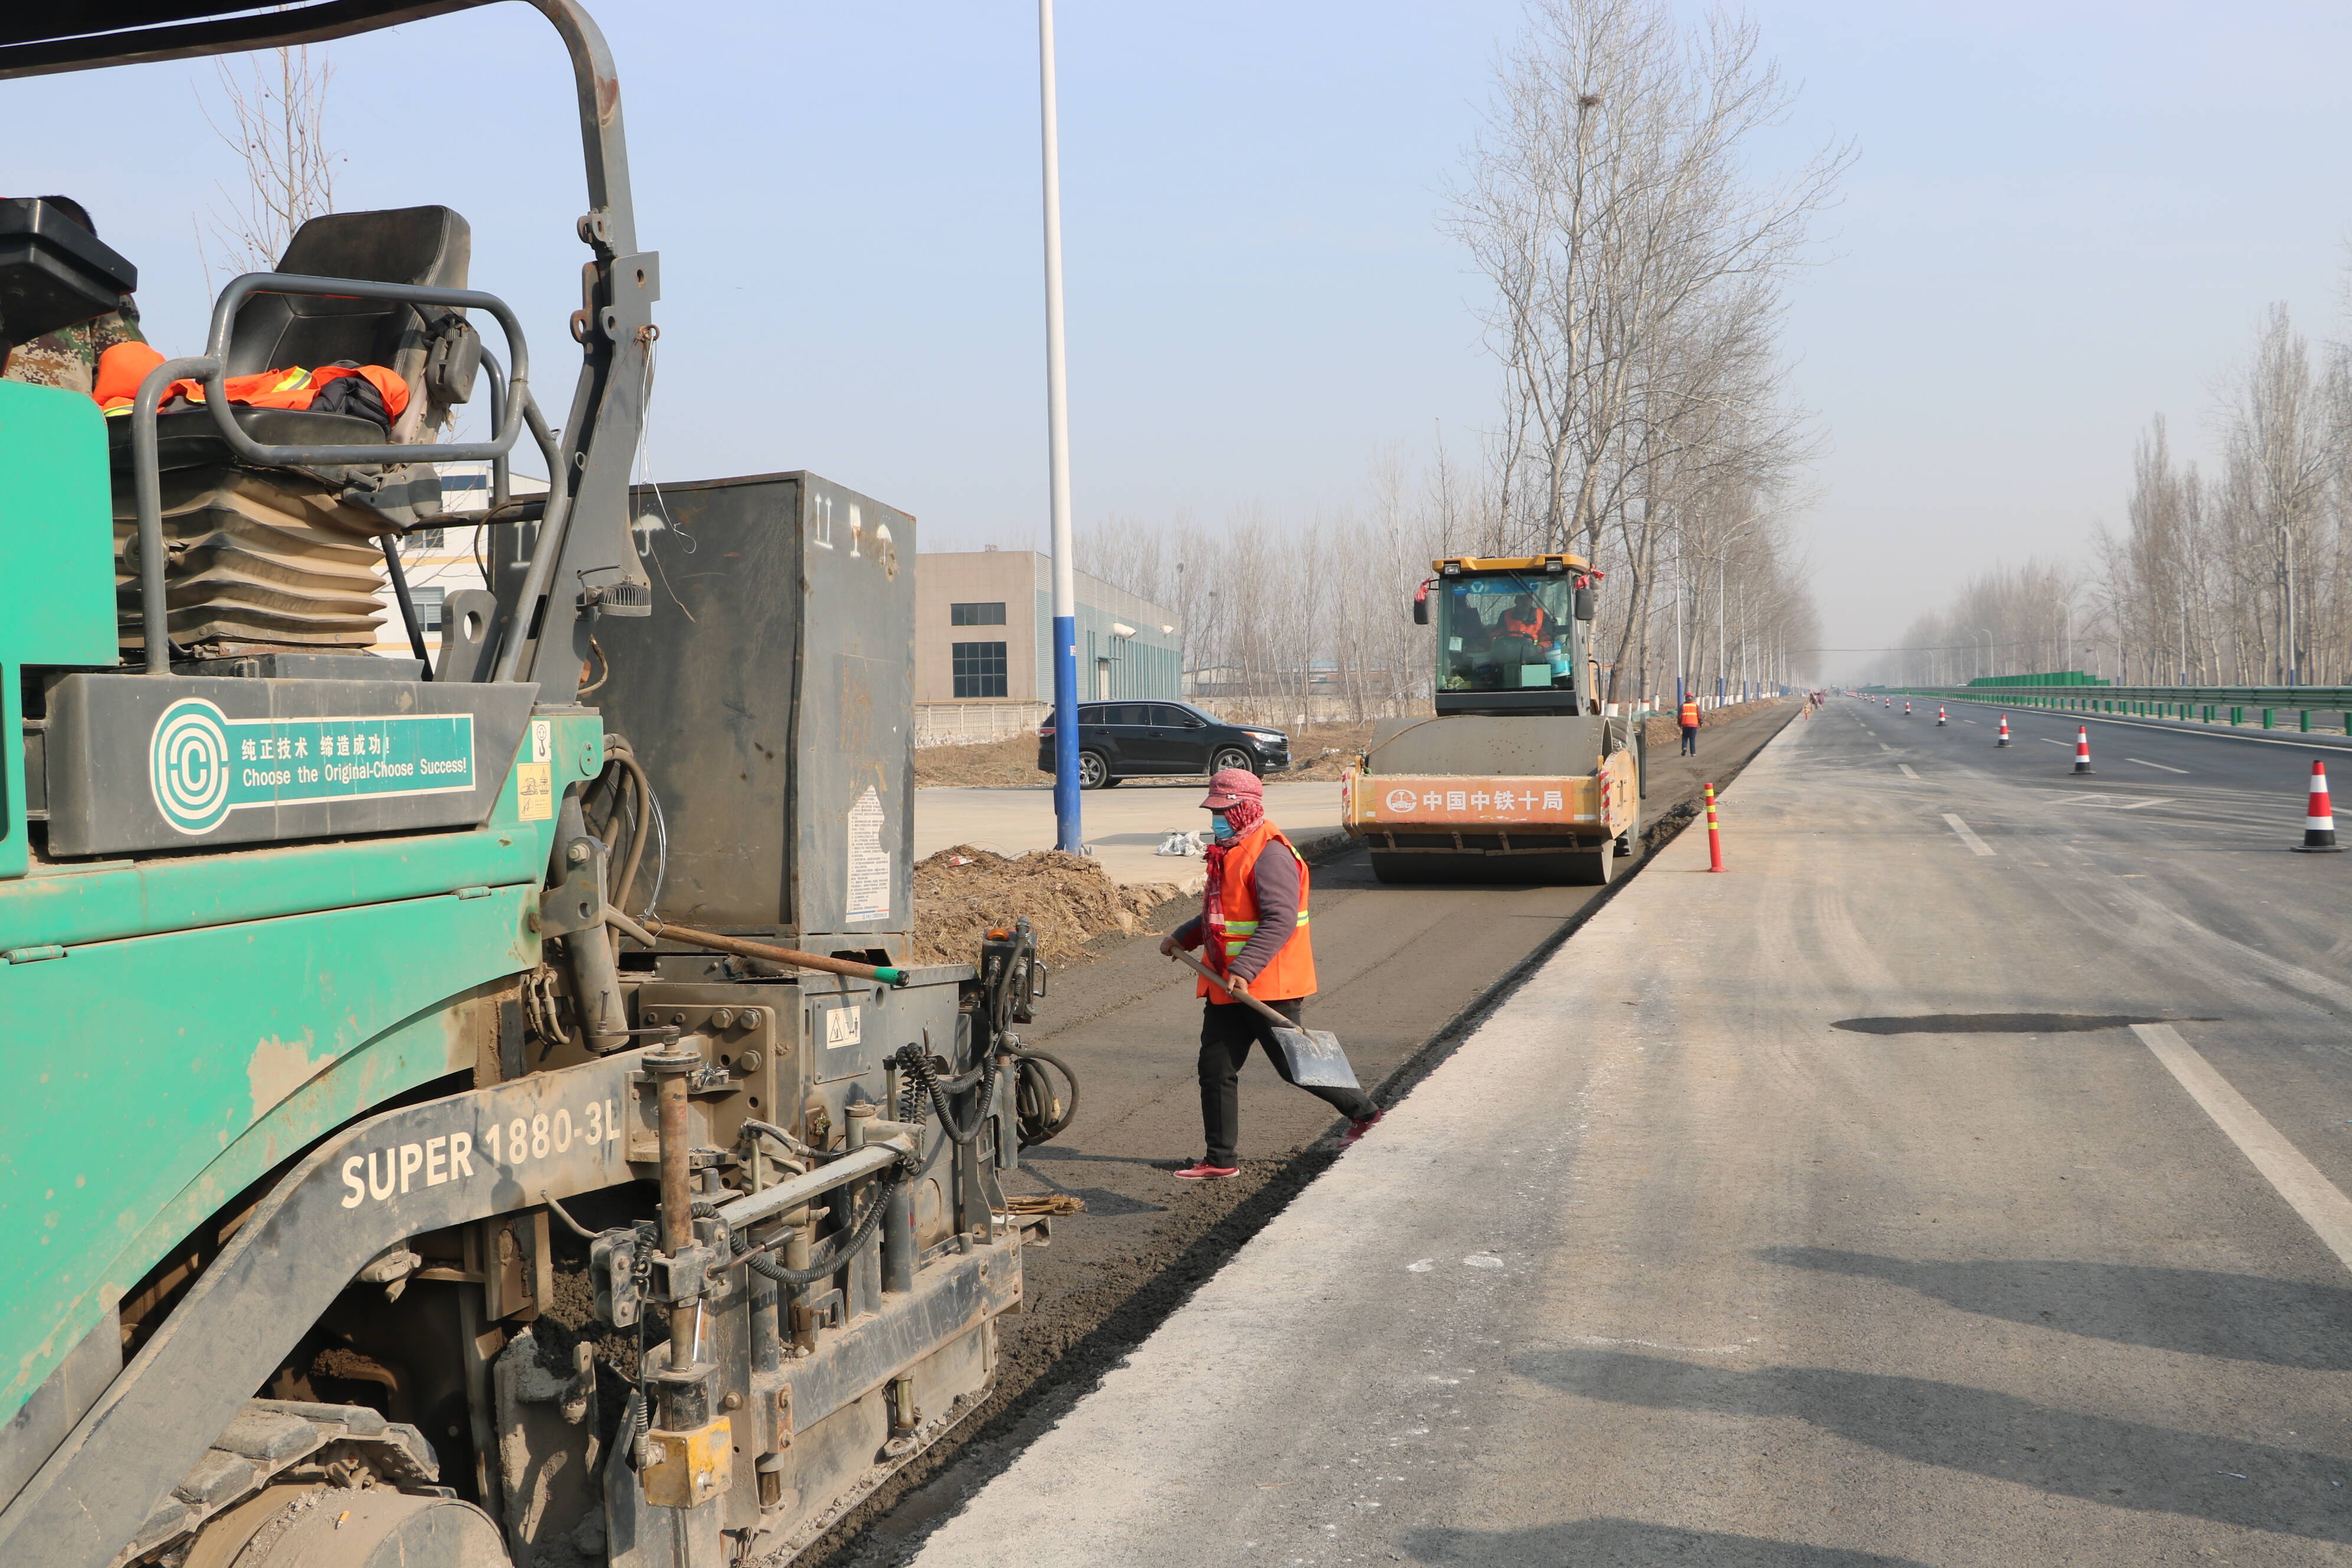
x: 428, y: 607
x: 422, y: 541
x: 976, y: 615
x: 979, y: 666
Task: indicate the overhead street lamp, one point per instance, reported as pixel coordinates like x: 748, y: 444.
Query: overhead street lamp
x: 1068, y: 832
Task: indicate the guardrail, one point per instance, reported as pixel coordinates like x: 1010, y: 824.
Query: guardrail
x: 2230, y: 705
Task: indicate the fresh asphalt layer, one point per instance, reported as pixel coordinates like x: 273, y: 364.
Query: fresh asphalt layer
x: 1957, y: 1180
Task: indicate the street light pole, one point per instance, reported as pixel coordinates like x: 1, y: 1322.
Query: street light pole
x: 1068, y: 832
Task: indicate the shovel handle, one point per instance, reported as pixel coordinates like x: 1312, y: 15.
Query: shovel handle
x: 1213, y: 978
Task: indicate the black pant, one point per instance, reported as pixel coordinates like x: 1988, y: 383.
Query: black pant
x: 1228, y: 1029
x: 1690, y: 740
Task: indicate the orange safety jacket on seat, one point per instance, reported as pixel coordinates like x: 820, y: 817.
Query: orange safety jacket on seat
x: 122, y: 367
x: 1516, y: 624
x: 1689, y: 718
x: 1229, y: 919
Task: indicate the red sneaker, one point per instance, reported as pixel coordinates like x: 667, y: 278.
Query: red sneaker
x: 1203, y: 1170
x: 1358, y: 1129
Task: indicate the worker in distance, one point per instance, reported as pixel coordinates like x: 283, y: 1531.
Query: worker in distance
x: 1688, y: 719
x: 1253, y: 923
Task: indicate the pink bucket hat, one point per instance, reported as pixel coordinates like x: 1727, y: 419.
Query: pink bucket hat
x: 1231, y: 784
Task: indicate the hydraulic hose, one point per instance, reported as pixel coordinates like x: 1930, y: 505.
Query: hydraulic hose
x: 625, y: 757
x: 921, y: 1083
x: 1033, y: 1102
x: 861, y: 1235
x: 810, y: 1159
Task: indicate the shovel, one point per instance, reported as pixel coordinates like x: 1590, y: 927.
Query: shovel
x: 1315, y: 1056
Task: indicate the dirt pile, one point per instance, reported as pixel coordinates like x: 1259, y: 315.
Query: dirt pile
x: 960, y: 892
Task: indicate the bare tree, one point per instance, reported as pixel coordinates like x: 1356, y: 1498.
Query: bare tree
x: 1636, y: 270
x: 2285, y: 449
x: 273, y: 117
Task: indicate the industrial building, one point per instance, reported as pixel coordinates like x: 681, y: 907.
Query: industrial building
x: 984, y: 643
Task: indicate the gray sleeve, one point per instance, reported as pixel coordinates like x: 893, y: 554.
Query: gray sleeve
x: 1275, y: 883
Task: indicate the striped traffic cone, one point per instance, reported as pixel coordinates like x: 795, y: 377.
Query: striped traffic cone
x: 2318, y: 817
x: 1939, y: 715
x: 1907, y: 710
x: 2081, y: 748
x: 2004, y: 729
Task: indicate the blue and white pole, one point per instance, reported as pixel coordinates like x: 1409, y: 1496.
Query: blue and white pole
x: 1068, y: 832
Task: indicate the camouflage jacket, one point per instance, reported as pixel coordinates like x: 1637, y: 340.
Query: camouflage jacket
x: 69, y: 357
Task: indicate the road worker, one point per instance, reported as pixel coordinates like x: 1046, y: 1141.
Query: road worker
x: 1689, y: 721
x: 1253, y: 923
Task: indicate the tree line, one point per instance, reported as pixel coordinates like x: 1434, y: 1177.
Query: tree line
x: 1635, y: 269
x: 2236, y: 575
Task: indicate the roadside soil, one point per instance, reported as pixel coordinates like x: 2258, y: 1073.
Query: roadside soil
x: 1662, y: 731
x: 1318, y: 752
x: 1010, y: 762
x: 1401, y: 987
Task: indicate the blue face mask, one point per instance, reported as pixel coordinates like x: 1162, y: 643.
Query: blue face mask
x: 1218, y: 828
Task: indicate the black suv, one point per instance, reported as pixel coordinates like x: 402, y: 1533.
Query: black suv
x: 1133, y: 739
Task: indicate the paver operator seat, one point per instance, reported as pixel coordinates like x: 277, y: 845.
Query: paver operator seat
x: 430, y: 246
x: 266, y: 559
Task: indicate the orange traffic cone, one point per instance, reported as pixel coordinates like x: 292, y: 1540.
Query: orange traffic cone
x: 2004, y: 729
x: 1939, y: 714
x: 2318, y: 817
x: 1907, y: 710
x: 1714, y: 833
x: 2081, y: 748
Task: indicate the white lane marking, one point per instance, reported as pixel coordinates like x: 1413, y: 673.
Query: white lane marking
x: 2327, y: 1211
x: 1884, y: 747
x: 1968, y: 835
x: 2111, y: 804
x: 1906, y: 770
x: 2143, y: 762
x: 1968, y: 720
x: 2053, y: 740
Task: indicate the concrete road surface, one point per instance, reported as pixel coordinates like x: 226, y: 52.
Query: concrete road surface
x: 1957, y: 1180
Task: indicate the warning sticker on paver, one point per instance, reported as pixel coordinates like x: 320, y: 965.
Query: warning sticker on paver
x: 869, y: 862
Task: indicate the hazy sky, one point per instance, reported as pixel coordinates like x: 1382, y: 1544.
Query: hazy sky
x: 2063, y: 220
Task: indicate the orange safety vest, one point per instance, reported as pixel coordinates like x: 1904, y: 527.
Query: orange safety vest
x: 1516, y: 626
x: 1690, y: 716
x: 1229, y: 919
x: 290, y: 386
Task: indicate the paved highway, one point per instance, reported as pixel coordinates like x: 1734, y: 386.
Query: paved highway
x: 1958, y: 1181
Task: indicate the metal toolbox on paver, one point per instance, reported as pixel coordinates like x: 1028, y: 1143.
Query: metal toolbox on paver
x: 779, y: 751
